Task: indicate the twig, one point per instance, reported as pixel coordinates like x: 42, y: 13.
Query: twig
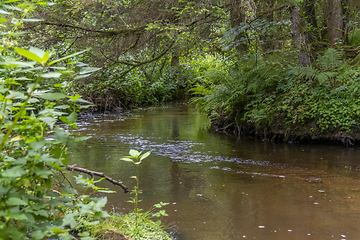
x: 66, y: 179
x: 92, y: 173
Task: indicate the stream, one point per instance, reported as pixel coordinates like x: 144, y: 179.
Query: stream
x: 220, y: 186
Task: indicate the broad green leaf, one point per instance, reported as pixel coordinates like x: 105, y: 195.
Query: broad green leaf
x: 2, y: 20
x: 134, y: 152
x: 37, y: 51
x: 20, y: 64
x: 49, y: 121
x: 71, y: 55
x: 28, y: 54
x: 127, y: 160
x: 51, y: 75
x: 14, y: 139
x: 46, y: 56
x: 82, y: 76
x: 81, y: 64
x: 43, y: 173
x: 74, y: 98
x: 72, y: 117
x: 14, y: 94
x: 84, y: 138
x: 14, y: 172
x: 52, y: 96
x: 65, y: 106
x: 87, y: 70
x: 36, y: 145
x: 145, y: 155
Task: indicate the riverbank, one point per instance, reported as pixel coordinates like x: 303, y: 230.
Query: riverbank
x: 278, y: 101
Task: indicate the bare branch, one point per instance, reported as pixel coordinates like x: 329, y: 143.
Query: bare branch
x: 93, y: 173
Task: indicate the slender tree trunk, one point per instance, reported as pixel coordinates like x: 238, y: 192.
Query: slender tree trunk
x: 335, y: 20
x: 299, y: 36
x: 309, y: 7
x: 237, y: 16
x: 345, y: 4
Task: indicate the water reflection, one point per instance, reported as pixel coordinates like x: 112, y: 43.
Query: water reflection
x: 223, y: 187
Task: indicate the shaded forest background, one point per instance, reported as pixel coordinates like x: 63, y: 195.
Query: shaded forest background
x: 285, y: 69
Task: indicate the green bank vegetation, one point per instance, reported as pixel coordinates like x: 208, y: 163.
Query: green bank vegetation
x: 284, y: 69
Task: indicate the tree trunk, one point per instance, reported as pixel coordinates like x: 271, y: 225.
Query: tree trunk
x: 237, y: 16
x: 335, y: 21
x: 309, y: 7
x: 345, y: 4
x: 299, y: 36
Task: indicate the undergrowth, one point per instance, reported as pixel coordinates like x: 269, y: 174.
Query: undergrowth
x: 284, y: 99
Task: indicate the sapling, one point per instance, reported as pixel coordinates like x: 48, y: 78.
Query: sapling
x: 136, y: 158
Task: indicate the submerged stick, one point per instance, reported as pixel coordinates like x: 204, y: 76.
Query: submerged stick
x: 92, y: 173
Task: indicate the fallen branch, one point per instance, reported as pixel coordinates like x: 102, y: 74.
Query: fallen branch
x: 93, y: 173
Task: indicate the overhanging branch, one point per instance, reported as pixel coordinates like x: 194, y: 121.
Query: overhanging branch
x: 94, y: 173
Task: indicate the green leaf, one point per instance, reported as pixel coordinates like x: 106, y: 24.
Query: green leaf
x: 145, y: 155
x: 14, y: 172
x: 134, y: 153
x: 84, y: 138
x: 87, y: 70
x: 71, y: 55
x: 52, y: 96
x: 65, y: 106
x: 46, y: 56
x: 72, y: 117
x: 49, y: 121
x: 37, y: 51
x: 82, y: 76
x: 36, y: 145
x: 51, y: 75
x: 2, y: 20
x: 28, y: 54
x: 127, y: 160
x: 74, y: 98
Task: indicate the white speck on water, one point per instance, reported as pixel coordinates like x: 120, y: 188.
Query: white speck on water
x: 316, y: 203
x: 174, y: 203
x: 349, y: 197
x: 321, y: 191
x: 180, y: 182
x: 199, y: 195
x: 204, y: 222
x: 309, y: 234
x: 175, y: 210
x: 281, y: 176
x: 274, y: 230
x: 289, y: 230
x: 342, y: 235
x: 244, y: 236
x: 310, y: 196
x: 223, y: 185
x: 261, y: 226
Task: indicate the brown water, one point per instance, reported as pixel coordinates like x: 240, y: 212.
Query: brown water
x: 220, y: 186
